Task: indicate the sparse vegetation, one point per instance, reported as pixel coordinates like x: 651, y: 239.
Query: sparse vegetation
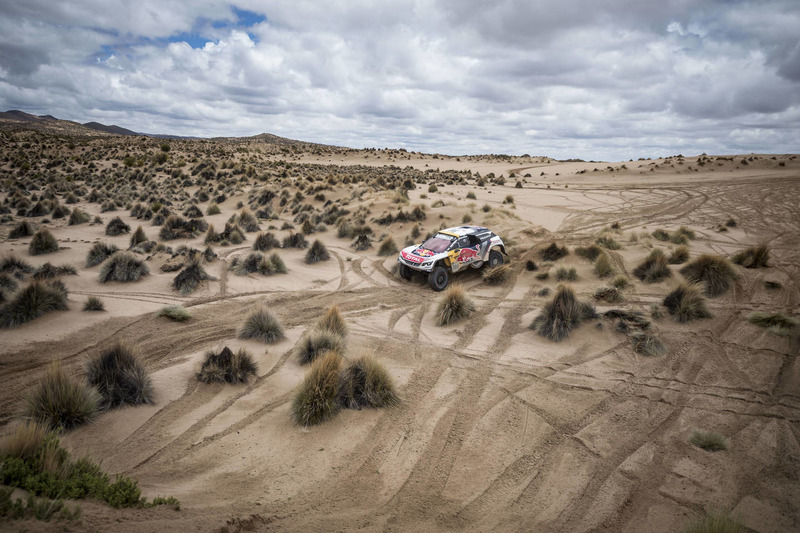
x: 714, y: 272
x: 686, y: 303
x: 317, y: 341
x: 646, y: 343
x: 497, y: 275
x: 454, y: 305
x: 93, y: 303
x: 566, y: 274
x: 608, y: 294
x: 99, y: 252
x: 117, y: 227
x: 317, y: 253
x: 561, y: 315
x: 227, y: 367
x: 387, y: 247
x: 708, y: 440
x: 603, y: 266
x: 177, y: 313
x: 192, y: 275
x: 553, y: 252
x: 264, y: 242
x: 679, y: 255
x: 123, y: 267
x: 61, y: 403
x: 608, y: 243
x: 590, y: 252
x: 654, y: 268
x: 22, y: 229
x: 120, y: 378
x: 715, y: 522
x: 317, y: 398
x: 333, y: 321
x: 753, y: 257
x: 776, y: 323
x: 364, y: 382
x: 32, y: 302
x: 43, y: 242
x: 261, y: 325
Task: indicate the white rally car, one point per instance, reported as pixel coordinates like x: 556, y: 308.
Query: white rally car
x: 452, y: 250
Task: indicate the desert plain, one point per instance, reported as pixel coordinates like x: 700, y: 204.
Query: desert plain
x: 498, y: 427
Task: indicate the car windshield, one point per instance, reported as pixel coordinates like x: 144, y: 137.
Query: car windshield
x: 438, y: 243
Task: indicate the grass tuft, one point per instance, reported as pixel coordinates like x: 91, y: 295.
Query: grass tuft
x: 497, y: 275
x: 603, y: 266
x: 715, y: 272
x: 753, y: 257
x: 686, y: 303
x: 120, y: 378
x: 316, y: 342
x: 387, y: 247
x: 715, y: 522
x: 654, y: 268
x: 366, y: 383
x: 609, y: 294
x: 24, y: 442
x: 178, y: 313
x: 43, y: 242
x: 317, y: 398
x: 261, y: 325
x: 32, y: 302
x: 589, y: 253
x: 777, y: 323
x: 333, y: 321
x: 93, y: 303
x: 99, y: 252
x: 23, y: 229
x: 192, y: 275
x: 709, y: 440
x: 227, y: 367
x: 123, y: 267
x: 59, y: 402
x: 608, y: 243
x: 561, y: 315
x: 117, y: 227
x: 646, y: 343
x: 566, y: 274
x: 679, y: 255
x: 553, y: 252
x: 265, y: 242
x: 317, y: 253
x: 453, y: 306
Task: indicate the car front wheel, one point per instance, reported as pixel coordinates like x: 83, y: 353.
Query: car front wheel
x: 405, y: 272
x: 495, y: 259
x: 438, y: 279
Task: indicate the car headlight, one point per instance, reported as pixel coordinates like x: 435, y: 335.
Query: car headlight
x: 428, y: 263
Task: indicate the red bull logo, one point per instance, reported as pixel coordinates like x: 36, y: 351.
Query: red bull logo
x: 466, y: 254
x: 422, y: 252
x: 411, y: 257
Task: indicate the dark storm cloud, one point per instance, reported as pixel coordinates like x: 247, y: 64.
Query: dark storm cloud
x: 615, y: 79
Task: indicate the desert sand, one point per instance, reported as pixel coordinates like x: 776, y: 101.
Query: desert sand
x: 499, y: 429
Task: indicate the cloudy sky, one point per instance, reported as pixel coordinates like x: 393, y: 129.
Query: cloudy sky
x: 634, y: 78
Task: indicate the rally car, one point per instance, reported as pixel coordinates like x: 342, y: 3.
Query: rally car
x: 451, y: 250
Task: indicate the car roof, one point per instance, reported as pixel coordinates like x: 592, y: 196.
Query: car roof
x: 461, y: 231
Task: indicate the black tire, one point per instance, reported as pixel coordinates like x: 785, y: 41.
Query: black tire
x: 495, y: 259
x: 405, y: 272
x: 438, y: 278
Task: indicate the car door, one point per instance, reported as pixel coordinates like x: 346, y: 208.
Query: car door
x: 466, y: 253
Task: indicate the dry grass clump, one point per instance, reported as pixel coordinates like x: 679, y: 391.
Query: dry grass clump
x: 708, y: 440
x: 553, y: 252
x: 777, y: 323
x: 178, y: 313
x: 93, y: 303
x: 561, y: 315
x: 138, y: 237
x: 25, y: 441
x: 603, y: 266
x: 99, y: 252
x: 453, y: 306
x: 43, y: 242
x: 679, y: 255
x: 661, y: 235
x: 686, y: 303
x: 589, y: 253
x: 295, y: 240
x: 753, y: 257
x: 23, y: 229
x: 78, y: 216
x: 117, y: 227
x: 646, y: 343
x: 608, y: 243
x: 387, y: 247
x: 333, y: 321
x: 120, y: 378
x: 366, y: 383
x: 566, y: 274
x: 531, y: 266
x: 715, y: 522
x: 654, y: 268
x: 60, y: 402
x: 255, y: 262
x: 227, y: 367
x: 620, y: 282
x: 32, y: 302
x: 192, y: 275
x: 261, y: 325
x: 316, y: 342
x: 317, y: 398
x: 123, y: 267
x: 50, y: 271
x: 609, y: 294
x: 497, y: 275
x: 715, y: 272
x: 176, y: 227
x: 213, y: 209
x: 317, y: 253
x: 265, y: 242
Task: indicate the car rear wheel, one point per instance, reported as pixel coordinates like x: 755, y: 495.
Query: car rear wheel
x: 495, y: 259
x: 438, y: 279
x: 405, y: 272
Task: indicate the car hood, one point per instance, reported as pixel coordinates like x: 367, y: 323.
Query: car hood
x: 417, y: 254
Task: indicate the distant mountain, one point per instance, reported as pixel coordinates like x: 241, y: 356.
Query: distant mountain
x: 21, y: 116
x: 114, y: 130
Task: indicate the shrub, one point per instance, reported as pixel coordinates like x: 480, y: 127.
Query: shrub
x: 453, y: 306
x: 608, y: 242
x: 646, y: 343
x: 13, y: 265
x: 212, y: 209
x: 212, y: 235
x: 603, y: 266
x: 191, y: 276
x: 117, y: 227
x: 568, y: 274
x: 124, y: 267
x: 661, y: 235
x: 679, y: 255
x: 753, y: 257
x: 333, y: 321
x: 247, y: 220
x: 295, y: 240
x: 59, y: 402
x: 265, y: 242
x: 23, y: 229
x: 684, y: 231
x: 93, y: 303
x: 99, y: 252
x: 24, y: 442
x: 261, y: 325
x: 708, y: 440
x: 731, y: 223
x: 590, y: 252
x: 78, y: 216
x: 686, y: 303
x: 43, y: 242
x: 48, y: 271
x: 497, y: 275
x: 317, y: 341
x: 777, y: 323
x: 32, y: 302
x: 277, y: 265
x: 620, y: 282
x: 715, y: 272
x: 387, y: 247
x: 365, y: 383
x: 561, y: 315
x: 119, y: 378
x: 178, y: 313
x: 470, y: 195
x: 317, y: 398
x: 227, y: 367
x: 530, y: 266
x: 317, y: 253
x: 654, y: 268
x: 553, y: 252
x: 609, y: 294
x: 138, y: 236
x: 715, y: 522
x: 176, y: 227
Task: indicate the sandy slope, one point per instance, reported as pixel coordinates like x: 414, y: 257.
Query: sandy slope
x: 499, y: 429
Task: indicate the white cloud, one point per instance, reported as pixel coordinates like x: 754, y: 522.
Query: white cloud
x: 516, y: 76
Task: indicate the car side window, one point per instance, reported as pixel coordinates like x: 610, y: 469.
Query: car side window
x: 463, y: 242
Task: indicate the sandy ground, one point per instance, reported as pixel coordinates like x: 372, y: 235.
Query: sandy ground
x: 499, y: 428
